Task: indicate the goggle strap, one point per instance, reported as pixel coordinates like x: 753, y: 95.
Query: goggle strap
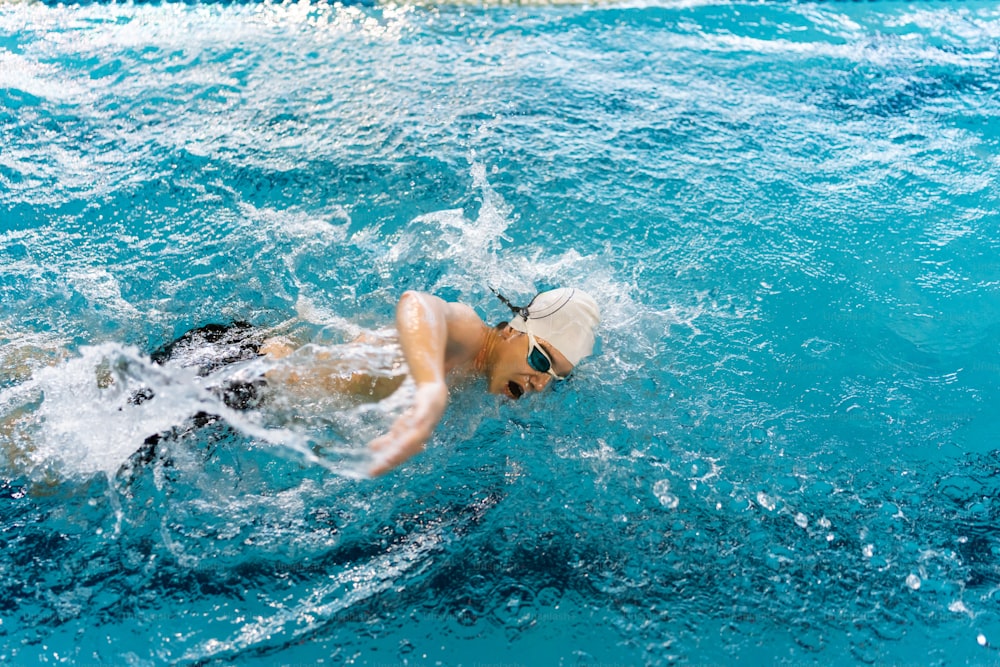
x: 521, y: 311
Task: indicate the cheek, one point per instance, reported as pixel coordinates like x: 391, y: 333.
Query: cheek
x: 502, y: 373
x: 497, y: 383
x: 508, y: 368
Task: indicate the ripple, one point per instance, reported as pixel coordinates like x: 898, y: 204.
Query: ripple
x: 513, y: 606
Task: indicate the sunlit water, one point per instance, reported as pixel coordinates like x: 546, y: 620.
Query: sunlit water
x: 783, y: 452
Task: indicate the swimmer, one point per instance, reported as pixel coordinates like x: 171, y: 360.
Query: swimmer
x: 443, y: 341
x: 541, y: 344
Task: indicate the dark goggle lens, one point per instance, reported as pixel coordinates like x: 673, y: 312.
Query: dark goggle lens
x: 538, y: 360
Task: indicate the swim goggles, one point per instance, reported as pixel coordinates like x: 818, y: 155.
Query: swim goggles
x: 538, y: 360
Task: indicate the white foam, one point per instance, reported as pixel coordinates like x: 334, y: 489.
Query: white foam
x: 470, y: 247
x: 79, y: 417
x: 75, y: 417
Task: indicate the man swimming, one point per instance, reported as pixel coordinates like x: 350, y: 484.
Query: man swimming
x: 439, y: 341
x: 542, y: 343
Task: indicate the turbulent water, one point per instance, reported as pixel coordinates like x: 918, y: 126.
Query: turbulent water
x: 784, y: 450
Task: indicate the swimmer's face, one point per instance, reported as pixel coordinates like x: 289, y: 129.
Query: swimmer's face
x: 512, y: 376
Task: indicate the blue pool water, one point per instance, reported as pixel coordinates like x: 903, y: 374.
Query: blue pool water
x: 785, y: 451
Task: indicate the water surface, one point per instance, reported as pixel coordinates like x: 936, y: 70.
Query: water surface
x: 782, y: 453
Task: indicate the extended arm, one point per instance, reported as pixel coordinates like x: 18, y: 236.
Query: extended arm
x: 422, y: 321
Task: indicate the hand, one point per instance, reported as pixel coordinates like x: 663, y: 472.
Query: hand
x: 410, y: 433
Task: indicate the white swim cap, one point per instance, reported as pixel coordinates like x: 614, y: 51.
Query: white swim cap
x: 566, y: 318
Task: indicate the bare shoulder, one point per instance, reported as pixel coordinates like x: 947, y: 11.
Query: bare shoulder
x: 463, y: 329
x: 463, y: 322
x: 459, y: 313
x: 465, y: 333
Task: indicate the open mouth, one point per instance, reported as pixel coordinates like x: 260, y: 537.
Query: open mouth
x: 515, y: 390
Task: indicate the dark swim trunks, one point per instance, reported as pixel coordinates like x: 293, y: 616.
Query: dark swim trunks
x: 207, y: 348
x: 211, y: 347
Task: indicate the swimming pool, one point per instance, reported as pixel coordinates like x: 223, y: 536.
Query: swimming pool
x: 782, y: 454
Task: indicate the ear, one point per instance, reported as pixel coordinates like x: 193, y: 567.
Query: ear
x: 508, y: 332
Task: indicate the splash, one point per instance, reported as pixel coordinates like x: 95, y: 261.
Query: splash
x: 469, y: 247
x: 90, y: 413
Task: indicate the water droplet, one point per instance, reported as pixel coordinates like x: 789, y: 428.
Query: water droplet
x: 913, y: 581
x: 662, y: 492
x: 824, y: 522
x: 868, y: 550
x: 801, y: 520
x: 766, y: 501
x: 981, y: 640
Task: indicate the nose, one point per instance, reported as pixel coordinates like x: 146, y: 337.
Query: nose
x: 540, y: 381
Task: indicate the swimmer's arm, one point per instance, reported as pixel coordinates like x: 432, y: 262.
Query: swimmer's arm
x: 422, y: 321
